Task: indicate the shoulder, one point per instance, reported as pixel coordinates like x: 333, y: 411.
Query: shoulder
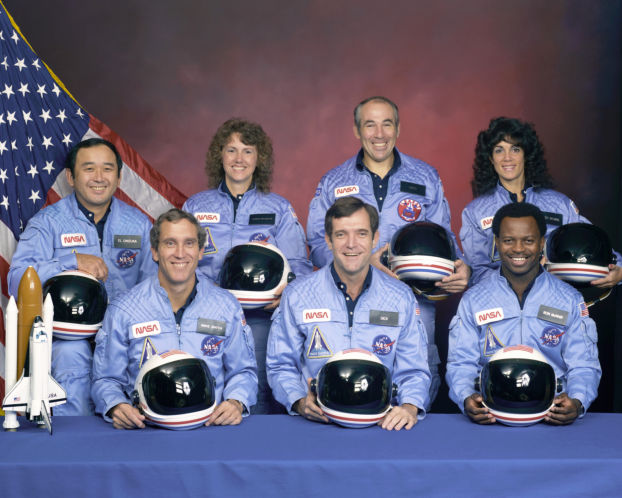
x: 338, y: 174
x: 211, y: 294
x: 131, y: 301
x: 417, y: 166
x: 128, y: 215
x: 272, y: 200
x: 200, y: 199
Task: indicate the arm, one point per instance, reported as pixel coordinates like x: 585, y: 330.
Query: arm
x: 477, y: 246
x: 290, y: 239
x: 320, y: 254
x: 283, y: 367
x: 240, y: 366
x: 147, y: 267
x: 411, y: 372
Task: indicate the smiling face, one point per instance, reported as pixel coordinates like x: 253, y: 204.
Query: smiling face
x: 509, y: 163
x: 95, y: 178
x: 351, y: 242
x: 239, y: 162
x: 177, y: 254
x: 520, y: 247
x: 378, y: 131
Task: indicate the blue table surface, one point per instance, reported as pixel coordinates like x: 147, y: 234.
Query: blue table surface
x: 275, y: 454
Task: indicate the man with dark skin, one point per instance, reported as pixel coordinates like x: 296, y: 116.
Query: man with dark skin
x: 515, y: 298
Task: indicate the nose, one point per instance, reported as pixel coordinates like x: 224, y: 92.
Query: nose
x: 179, y: 251
x: 351, y: 240
x: 99, y: 174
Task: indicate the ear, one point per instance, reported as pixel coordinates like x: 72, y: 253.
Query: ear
x: 376, y: 238
x: 154, y: 254
x: 69, y: 177
x: 397, y: 133
x: 328, y: 241
x: 357, y: 134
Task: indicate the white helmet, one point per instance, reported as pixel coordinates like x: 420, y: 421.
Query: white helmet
x: 518, y: 385
x: 252, y: 272
x: 175, y: 390
x: 354, y: 388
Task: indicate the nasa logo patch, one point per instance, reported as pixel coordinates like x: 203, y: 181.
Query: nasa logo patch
x: 211, y: 345
x: 551, y: 336
x: 409, y: 209
x: 259, y: 237
x: 382, y: 344
x: 126, y: 258
x: 486, y: 223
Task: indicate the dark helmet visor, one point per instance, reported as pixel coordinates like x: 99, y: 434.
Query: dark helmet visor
x: 518, y: 386
x: 355, y: 386
x: 251, y: 268
x: 423, y: 238
x: 179, y: 387
x: 579, y: 243
x: 76, y: 299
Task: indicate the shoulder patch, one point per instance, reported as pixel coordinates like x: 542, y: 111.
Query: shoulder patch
x: 316, y: 315
x: 492, y: 344
x: 486, y: 223
x: 73, y: 239
x: 486, y: 316
x: 318, y: 347
x: 145, y: 329
x: 346, y: 190
x: 207, y: 217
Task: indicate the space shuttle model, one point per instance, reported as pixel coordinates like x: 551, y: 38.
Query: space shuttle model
x: 28, y: 348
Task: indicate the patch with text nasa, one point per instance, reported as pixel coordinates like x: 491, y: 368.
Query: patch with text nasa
x: 210, y: 247
x: 73, y: 239
x: 552, y: 336
x: 492, y: 343
x: 207, y: 217
x: 346, y: 190
x: 409, y: 209
x: 316, y: 315
x: 126, y: 258
x: 486, y: 316
x: 149, y: 350
x: 145, y: 329
x: 382, y: 344
x: 486, y: 222
x: 318, y: 347
x: 211, y: 345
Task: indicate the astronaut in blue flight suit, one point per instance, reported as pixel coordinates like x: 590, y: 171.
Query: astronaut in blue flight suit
x: 110, y: 240
x: 240, y: 208
x: 402, y: 188
x: 509, y: 166
x: 184, y: 311
x: 349, y: 304
x: 523, y: 304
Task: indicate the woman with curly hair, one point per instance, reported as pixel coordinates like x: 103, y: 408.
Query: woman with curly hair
x: 509, y: 167
x: 239, y: 208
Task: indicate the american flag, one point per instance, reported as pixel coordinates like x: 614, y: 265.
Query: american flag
x: 39, y: 122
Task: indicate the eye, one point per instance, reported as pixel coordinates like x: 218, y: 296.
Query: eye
x: 497, y: 150
x: 516, y: 149
x: 191, y: 243
x: 169, y: 244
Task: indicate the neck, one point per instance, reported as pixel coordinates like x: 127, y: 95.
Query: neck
x: 354, y: 283
x: 379, y: 168
x: 519, y: 283
x: 177, y: 293
x: 238, y: 188
x: 516, y: 187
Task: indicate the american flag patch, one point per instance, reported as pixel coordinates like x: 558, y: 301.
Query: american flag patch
x: 583, y: 309
x: 417, y: 311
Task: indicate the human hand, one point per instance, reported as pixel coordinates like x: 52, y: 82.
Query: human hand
x: 476, y: 411
x: 126, y: 416
x: 611, y: 280
x: 458, y: 280
x: 229, y: 412
x: 400, y: 417
x: 93, y: 265
x: 376, y: 260
x: 308, y: 407
x: 564, y: 411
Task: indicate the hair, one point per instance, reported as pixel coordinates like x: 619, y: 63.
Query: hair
x: 174, y: 215
x: 515, y: 132
x: 70, y: 161
x: 377, y: 98
x: 250, y: 134
x: 347, y: 206
x: 518, y: 210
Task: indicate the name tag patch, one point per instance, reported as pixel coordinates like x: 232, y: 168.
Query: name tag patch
x: 128, y: 241
x: 553, y: 315
x: 316, y: 315
x: 346, y: 190
x: 412, y: 188
x: 487, y: 316
x: 262, y: 219
x: 211, y: 327
x: 553, y: 218
x: 145, y: 329
x: 73, y: 239
x: 388, y: 318
x: 207, y: 217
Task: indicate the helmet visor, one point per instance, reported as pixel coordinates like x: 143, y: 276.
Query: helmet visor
x: 355, y: 386
x: 179, y: 387
x: 518, y: 386
x: 251, y: 268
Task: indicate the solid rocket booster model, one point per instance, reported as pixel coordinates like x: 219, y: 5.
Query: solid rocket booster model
x: 29, y: 301
x: 36, y: 391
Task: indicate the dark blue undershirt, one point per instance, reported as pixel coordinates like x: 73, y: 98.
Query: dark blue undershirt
x: 350, y: 303
x: 235, y: 198
x: 180, y: 312
x: 513, y: 196
x: 381, y: 185
x: 99, y: 226
x: 521, y: 302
